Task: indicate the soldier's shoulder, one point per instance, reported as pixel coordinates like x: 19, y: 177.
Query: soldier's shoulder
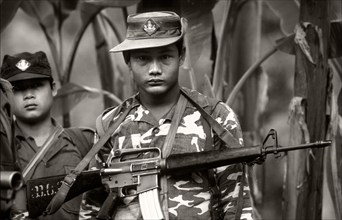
x: 201, y: 99
x: 110, y: 114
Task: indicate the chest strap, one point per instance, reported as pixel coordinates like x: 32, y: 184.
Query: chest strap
x: 167, y: 148
x: 230, y: 141
x: 28, y: 170
x: 222, y: 133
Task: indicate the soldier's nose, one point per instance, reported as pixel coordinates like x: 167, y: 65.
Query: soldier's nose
x: 154, y: 68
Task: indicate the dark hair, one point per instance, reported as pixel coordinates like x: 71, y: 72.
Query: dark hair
x: 179, y: 44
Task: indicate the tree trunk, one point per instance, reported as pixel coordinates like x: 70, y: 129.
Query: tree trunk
x: 305, y: 168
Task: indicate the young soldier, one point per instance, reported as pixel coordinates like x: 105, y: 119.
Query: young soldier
x: 153, y: 50
x: 43, y: 147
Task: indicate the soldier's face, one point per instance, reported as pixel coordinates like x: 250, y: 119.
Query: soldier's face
x: 32, y: 99
x: 155, y: 70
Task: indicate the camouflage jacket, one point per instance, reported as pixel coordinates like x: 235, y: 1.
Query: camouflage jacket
x: 188, y: 195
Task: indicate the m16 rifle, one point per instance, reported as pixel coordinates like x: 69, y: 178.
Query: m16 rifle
x: 139, y: 168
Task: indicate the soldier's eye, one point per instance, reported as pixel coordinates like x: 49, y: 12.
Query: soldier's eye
x: 16, y: 88
x: 166, y: 57
x: 37, y: 84
x: 142, y: 58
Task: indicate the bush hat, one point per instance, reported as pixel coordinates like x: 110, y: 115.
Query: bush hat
x: 25, y: 65
x: 152, y: 29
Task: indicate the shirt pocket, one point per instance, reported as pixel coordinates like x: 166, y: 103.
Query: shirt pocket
x: 187, y: 143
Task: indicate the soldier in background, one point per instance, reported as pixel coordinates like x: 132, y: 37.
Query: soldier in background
x: 36, y: 131
x: 153, y: 50
x: 8, y: 161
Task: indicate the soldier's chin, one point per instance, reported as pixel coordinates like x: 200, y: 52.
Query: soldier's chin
x: 32, y: 119
x: 157, y: 90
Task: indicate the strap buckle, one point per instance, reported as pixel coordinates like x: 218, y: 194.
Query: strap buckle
x: 69, y: 179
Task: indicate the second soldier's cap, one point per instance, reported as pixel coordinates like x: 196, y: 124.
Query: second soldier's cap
x: 152, y: 29
x: 25, y: 65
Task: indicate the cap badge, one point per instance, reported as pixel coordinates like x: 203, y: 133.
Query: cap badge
x: 150, y: 27
x: 23, y: 65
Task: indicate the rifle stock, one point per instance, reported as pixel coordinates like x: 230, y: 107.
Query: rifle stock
x: 133, y: 172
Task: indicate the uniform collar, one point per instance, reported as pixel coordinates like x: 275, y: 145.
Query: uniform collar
x: 20, y: 134
x: 202, y: 101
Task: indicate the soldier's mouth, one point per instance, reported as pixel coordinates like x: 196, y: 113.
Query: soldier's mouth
x: 30, y: 106
x: 155, y: 82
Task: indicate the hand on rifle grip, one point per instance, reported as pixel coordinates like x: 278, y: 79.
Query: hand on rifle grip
x: 107, y: 210
x: 258, y: 160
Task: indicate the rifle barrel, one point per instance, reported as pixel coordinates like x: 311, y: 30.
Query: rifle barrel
x: 317, y: 144
x: 196, y: 161
x: 11, y: 180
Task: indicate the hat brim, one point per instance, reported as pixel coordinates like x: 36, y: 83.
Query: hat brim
x: 25, y: 76
x: 143, y: 43
x: 128, y: 44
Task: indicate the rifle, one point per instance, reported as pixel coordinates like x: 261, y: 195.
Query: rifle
x: 139, y: 169
x: 11, y: 180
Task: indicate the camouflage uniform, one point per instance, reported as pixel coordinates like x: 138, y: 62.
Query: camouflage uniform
x: 188, y: 195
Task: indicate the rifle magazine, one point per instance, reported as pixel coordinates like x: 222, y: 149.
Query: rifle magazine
x: 150, y: 205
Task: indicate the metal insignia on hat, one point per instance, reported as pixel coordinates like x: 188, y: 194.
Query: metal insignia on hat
x: 150, y: 27
x: 23, y: 64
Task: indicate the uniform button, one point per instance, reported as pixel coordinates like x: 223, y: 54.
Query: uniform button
x: 155, y: 130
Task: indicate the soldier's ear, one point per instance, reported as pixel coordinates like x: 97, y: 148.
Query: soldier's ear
x: 182, y: 56
x: 129, y: 65
x: 54, y: 89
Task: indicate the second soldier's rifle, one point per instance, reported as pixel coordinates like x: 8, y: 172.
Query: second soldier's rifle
x: 139, y: 169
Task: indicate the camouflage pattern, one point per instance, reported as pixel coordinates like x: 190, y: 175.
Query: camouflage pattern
x: 188, y: 195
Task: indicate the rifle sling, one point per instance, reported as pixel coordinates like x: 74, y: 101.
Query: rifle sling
x: 222, y: 133
x: 69, y: 179
x: 167, y: 148
x: 27, y: 172
x: 230, y: 141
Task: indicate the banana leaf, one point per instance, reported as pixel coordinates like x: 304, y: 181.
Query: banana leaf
x: 8, y: 11
x: 71, y: 94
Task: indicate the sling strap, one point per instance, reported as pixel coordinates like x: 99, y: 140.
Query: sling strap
x: 230, y: 141
x: 222, y: 133
x: 69, y: 179
x: 176, y: 118
x: 167, y: 148
x: 27, y: 172
x: 239, y: 204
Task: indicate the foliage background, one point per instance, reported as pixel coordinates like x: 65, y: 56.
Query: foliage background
x: 24, y: 34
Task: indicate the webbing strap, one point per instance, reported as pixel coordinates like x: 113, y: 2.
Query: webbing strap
x: 167, y: 148
x: 27, y: 172
x: 176, y: 118
x: 239, y: 205
x: 229, y: 140
x: 69, y: 179
x: 222, y: 133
